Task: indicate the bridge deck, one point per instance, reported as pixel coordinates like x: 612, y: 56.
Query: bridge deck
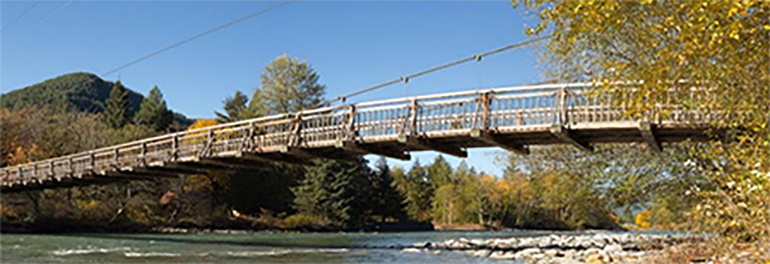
x: 512, y: 118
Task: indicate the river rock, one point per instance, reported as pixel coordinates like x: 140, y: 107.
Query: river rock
x: 593, y: 248
x: 552, y: 253
x: 482, y: 253
x: 477, y: 243
x: 544, y: 242
x: 561, y: 260
x: 583, y: 242
x: 569, y: 253
x: 598, y: 241
x: 527, y: 253
x: 590, y: 251
x: 422, y: 245
x: 502, y: 255
x: 613, y: 248
x: 527, y: 243
x: 411, y: 250
x: 568, y: 242
x: 507, y: 243
x: 598, y: 259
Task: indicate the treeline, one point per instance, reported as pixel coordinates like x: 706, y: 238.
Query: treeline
x: 41, y: 132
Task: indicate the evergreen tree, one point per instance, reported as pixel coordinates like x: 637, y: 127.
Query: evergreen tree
x: 419, y: 193
x: 440, y: 172
x: 116, y: 114
x: 338, y: 191
x: 153, y: 112
x: 235, y: 108
x: 385, y: 199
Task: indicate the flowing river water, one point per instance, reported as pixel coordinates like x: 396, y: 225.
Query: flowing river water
x: 259, y: 247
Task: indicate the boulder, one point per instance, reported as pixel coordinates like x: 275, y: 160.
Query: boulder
x: 613, y: 248
x: 483, y: 253
x: 502, y: 255
x: 422, y: 244
x: 527, y: 253
x: 527, y: 243
x: 553, y: 253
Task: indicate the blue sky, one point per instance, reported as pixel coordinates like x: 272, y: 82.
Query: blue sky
x: 352, y: 45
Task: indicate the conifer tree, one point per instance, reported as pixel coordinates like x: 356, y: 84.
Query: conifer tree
x: 116, y: 114
x: 153, y: 112
x: 338, y: 191
x: 235, y: 108
x: 385, y: 199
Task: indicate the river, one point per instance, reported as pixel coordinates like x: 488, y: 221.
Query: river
x: 260, y: 247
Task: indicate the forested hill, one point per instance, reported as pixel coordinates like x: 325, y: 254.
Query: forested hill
x: 79, y: 91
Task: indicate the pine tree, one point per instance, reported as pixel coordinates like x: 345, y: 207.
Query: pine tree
x: 116, y: 113
x: 440, y: 173
x: 235, y: 108
x: 419, y: 193
x: 153, y: 112
x: 338, y: 191
x: 386, y: 201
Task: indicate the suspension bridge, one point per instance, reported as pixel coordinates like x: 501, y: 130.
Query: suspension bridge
x: 512, y: 118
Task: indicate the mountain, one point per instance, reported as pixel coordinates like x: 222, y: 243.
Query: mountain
x: 80, y: 91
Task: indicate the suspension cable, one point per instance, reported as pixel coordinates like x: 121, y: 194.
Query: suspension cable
x: 405, y: 79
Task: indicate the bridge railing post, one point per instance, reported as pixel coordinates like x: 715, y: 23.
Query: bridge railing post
x: 248, y: 141
x: 174, y: 147
x: 564, y: 106
x: 295, y: 135
x: 116, y: 159
x: 485, y: 101
x: 351, y: 126
x: 207, y: 147
x: 92, y: 160
x: 414, y: 112
x: 143, y: 155
x: 34, y: 171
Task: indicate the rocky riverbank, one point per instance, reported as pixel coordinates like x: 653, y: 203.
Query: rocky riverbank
x: 597, y: 248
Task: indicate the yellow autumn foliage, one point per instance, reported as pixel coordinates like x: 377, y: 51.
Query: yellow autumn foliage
x: 642, y: 219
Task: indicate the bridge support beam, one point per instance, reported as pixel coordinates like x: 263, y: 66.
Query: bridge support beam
x: 648, y: 134
x: 198, y: 168
x: 303, y: 154
x: 419, y: 143
x: 129, y: 175
x: 162, y: 172
x: 565, y: 135
x: 228, y: 163
x: 168, y: 168
x: 267, y: 160
x: 492, y: 139
x: 106, y: 177
x: 361, y: 149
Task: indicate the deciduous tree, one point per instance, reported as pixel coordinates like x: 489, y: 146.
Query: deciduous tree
x: 708, y: 57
